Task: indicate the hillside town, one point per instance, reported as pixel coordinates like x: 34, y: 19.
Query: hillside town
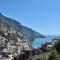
x: 11, y: 42
x: 15, y: 45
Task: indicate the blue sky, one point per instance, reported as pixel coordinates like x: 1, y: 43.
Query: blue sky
x: 41, y: 15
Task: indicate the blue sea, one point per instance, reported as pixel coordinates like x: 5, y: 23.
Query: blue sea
x: 38, y: 41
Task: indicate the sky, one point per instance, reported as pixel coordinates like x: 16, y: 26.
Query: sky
x: 41, y: 15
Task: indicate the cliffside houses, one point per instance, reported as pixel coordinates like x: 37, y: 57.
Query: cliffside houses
x: 11, y: 44
x: 55, y: 40
x: 48, y: 46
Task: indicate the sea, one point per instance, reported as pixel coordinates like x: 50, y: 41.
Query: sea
x: 38, y: 41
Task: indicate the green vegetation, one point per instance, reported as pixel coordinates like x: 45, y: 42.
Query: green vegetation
x: 52, y: 55
x: 47, y: 56
x: 43, y: 56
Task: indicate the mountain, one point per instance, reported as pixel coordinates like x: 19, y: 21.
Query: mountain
x: 14, y: 38
x: 31, y: 34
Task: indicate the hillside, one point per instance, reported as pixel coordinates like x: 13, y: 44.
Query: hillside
x: 14, y: 38
x: 31, y: 34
